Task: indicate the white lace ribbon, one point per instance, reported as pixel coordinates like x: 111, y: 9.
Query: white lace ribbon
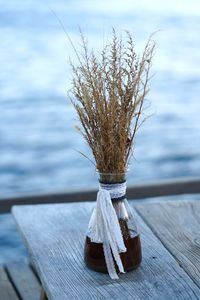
x: 104, y: 226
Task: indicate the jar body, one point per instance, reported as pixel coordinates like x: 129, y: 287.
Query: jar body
x: 95, y: 260
x: 93, y: 251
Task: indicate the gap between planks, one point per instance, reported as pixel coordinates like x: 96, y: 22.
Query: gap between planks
x: 18, y: 282
x: 177, y: 225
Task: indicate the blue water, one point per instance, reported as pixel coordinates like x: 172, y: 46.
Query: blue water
x: 38, y: 142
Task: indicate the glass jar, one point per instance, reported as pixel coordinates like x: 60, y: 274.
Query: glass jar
x: 93, y: 251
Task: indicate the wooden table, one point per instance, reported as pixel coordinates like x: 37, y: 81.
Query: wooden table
x: 170, y: 235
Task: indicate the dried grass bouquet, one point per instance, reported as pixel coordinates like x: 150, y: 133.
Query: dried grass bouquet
x: 109, y: 91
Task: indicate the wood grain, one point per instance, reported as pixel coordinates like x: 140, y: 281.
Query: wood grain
x: 54, y: 235
x: 24, y: 281
x: 7, y: 291
x: 177, y: 224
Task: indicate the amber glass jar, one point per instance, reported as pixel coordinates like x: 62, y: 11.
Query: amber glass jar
x: 93, y: 251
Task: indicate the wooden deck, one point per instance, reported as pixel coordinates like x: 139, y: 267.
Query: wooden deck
x: 170, y: 267
x: 19, y: 282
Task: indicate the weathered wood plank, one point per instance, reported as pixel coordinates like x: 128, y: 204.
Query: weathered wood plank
x: 168, y: 187
x: 177, y: 224
x: 24, y: 281
x: 7, y: 291
x: 55, y: 234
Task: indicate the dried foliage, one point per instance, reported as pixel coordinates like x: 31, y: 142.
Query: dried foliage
x: 109, y: 91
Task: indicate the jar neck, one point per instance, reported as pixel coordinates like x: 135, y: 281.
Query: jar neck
x: 112, y: 178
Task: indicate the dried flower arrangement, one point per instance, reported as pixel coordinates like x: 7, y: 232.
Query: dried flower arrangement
x: 109, y: 92
x: 109, y: 95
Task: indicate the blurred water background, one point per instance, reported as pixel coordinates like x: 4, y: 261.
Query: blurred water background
x: 38, y: 143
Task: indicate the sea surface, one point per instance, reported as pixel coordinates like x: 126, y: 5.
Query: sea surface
x: 39, y: 147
